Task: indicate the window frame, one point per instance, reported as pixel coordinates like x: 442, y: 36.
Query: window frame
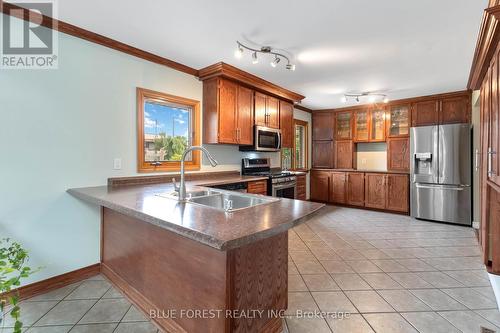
x: 305, y: 124
x: 144, y: 95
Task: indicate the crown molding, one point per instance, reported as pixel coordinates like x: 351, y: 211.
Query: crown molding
x: 224, y: 70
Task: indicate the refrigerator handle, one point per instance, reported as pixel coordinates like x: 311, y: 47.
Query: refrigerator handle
x: 476, y: 163
x: 490, y: 162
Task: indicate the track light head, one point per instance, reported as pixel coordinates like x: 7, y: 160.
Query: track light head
x: 343, y: 99
x: 239, y: 52
x: 386, y: 100
x: 290, y: 67
x: 255, y: 60
x: 275, y: 62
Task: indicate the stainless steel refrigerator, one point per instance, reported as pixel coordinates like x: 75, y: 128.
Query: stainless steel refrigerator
x: 441, y: 173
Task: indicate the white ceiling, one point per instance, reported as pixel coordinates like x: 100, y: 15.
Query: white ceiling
x: 403, y: 48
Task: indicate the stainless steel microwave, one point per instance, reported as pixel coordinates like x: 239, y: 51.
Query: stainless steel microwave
x: 265, y: 139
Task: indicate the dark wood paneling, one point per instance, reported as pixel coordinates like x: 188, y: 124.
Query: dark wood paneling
x: 320, y: 185
x: 322, y: 154
x: 245, y: 116
x: 258, y: 187
x: 338, y: 187
x: 455, y: 110
x: 322, y: 124
x: 398, y: 154
x: 356, y: 189
x: 397, y: 193
x: 55, y: 282
x: 375, y: 190
x: 344, y: 154
x: 425, y: 113
x: 286, y: 124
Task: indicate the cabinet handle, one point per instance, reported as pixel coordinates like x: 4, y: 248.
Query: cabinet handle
x: 476, y: 163
x: 490, y: 162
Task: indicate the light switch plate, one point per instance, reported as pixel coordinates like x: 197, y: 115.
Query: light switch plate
x: 117, y: 164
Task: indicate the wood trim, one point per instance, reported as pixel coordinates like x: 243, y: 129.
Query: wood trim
x: 93, y: 37
x: 222, y: 69
x: 401, y: 101
x: 56, y: 282
x: 142, y: 165
x: 305, y: 124
x: 303, y: 108
x: 489, y: 36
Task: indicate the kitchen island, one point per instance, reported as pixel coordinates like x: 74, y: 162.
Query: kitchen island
x: 194, y: 268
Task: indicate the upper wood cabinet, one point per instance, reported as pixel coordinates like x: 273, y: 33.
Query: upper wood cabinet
x: 375, y: 190
x: 343, y: 125
x: 398, y: 121
x: 377, y: 125
x: 227, y: 112
x: 320, y: 185
x: 344, y: 154
x: 356, y: 189
x: 322, y: 154
x: 322, y: 126
x: 398, y: 154
x: 361, y: 126
x: 447, y: 109
x: 266, y: 110
x: 286, y: 124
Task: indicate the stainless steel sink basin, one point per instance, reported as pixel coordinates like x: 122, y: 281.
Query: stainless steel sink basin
x: 190, y: 194
x: 231, y: 201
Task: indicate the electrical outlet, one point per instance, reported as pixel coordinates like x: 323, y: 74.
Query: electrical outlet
x: 117, y: 164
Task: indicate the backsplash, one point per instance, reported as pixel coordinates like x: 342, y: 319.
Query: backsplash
x: 229, y: 157
x: 372, y: 156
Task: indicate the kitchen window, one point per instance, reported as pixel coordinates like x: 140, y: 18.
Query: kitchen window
x: 296, y: 158
x: 166, y: 126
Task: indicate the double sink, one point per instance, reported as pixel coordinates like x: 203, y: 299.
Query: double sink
x: 227, y: 201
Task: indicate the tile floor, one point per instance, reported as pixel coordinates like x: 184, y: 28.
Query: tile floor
x: 391, y: 273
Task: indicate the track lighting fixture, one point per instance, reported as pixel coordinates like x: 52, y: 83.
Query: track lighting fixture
x: 372, y: 97
x: 266, y: 50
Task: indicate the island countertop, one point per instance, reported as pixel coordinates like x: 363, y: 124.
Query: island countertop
x: 212, y: 227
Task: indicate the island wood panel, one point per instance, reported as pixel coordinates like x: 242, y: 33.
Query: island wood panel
x: 375, y: 190
x: 159, y: 270
x: 286, y: 124
x: 257, y: 187
x: 398, y: 154
x: 397, y: 193
x: 356, y: 189
x: 323, y: 154
x: 338, y: 190
x: 322, y: 126
x: 344, y: 154
x: 259, y: 280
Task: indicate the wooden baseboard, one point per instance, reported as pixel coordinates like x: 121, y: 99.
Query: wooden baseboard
x: 56, y: 282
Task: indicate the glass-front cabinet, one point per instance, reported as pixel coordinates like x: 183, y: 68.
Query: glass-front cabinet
x: 399, y: 121
x: 377, y: 125
x: 343, y: 125
x: 361, y: 126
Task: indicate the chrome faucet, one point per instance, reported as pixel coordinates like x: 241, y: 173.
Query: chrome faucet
x: 181, y: 189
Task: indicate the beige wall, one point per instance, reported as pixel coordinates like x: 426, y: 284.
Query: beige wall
x: 372, y: 156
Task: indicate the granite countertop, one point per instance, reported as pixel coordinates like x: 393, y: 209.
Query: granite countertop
x: 218, y: 229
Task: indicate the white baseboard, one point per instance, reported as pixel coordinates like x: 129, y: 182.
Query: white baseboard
x: 495, y: 283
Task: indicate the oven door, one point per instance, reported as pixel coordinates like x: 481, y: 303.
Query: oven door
x: 287, y: 190
x: 267, y: 139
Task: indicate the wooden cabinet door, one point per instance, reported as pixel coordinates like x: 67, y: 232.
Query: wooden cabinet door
x: 257, y: 187
x: 377, y: 125
x: 272, y: 109
x: 397, y: 193
x: 494, y: 124
x: 343, y: 125
x: 244, y: 116
x: 320, y: 185
x: 425, y: 113
x: 301, y: 187
x: 260, y: 109
x: 322, y: 126
x: 454, y: 110
x: 375, y: 190
x: 361, y: 127
x: 398, y: 154
x: 322, y: 154
x: 356, y: 189
x: 343, y: 154
x: 398, y: 121
x: 227, y: 111
x: 338, y: 187
x: 286, y: 124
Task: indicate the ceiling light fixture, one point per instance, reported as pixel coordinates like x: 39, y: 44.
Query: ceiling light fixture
x: 372, y: 97
x: 266, y: 50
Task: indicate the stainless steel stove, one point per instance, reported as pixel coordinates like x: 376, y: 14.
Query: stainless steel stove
x: 280, y: 183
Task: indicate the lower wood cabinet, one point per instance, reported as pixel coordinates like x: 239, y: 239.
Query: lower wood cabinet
x: 257, y: 187
x: 301, y: 187
x: 320, y: 185
x: 384, y: 191
x: 356, y: 189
